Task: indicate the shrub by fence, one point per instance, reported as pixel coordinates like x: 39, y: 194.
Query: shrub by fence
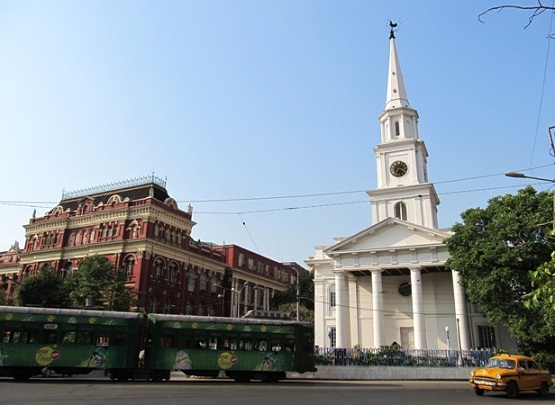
x: 327, y: 356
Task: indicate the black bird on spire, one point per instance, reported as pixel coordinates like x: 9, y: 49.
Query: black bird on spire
x: 392, y: 25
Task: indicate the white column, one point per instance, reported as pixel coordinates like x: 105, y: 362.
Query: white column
x: 463, y: 327
x: 266, y: 299
x: 377, y: 307
x: 341, y: 310
x: 256, y: 298
x: 417, y: 309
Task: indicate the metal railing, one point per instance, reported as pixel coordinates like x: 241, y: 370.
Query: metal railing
x: 327, y: 356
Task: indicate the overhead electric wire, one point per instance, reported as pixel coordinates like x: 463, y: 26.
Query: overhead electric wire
x: 37, y: 204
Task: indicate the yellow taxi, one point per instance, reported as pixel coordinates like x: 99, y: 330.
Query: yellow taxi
x: 512, y: 374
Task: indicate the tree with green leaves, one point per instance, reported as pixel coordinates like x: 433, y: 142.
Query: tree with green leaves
x: 44, y: 289
x: 286, y: 301
x: 542, y: 297
x: 98, y: 282
x: 496, y: 250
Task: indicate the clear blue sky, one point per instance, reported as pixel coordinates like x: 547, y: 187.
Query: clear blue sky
x: 240, y: 101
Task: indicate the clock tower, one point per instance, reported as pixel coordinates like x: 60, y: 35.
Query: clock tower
x: 403, y: 190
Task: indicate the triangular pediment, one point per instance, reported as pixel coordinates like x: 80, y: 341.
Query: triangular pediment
x: 390, y: 233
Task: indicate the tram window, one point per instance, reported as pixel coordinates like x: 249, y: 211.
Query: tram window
x: 32, y: 337
x: 119, y: 339
x: 166, y: 341
x: 201, y: 344
x: 83, y: 338
x: 103, y: 341
x: 262, y: 345
x: 68, y: 337
x: 226, y: 344
x: 183, y: 343
x: 276, y: 347
x: 6, y: 337
x: 213, y: 344
x: 289, y: 346
x: 248, y: 345
x: 233, y: 344
x: 19, y: 337
x: 49, y: 337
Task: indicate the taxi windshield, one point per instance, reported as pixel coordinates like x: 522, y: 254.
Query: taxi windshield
x: 501, y: 363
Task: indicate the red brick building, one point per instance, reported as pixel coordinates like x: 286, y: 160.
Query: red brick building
x: 140, y: 228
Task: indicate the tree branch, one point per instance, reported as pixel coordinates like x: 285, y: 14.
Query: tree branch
x: 537, y: 10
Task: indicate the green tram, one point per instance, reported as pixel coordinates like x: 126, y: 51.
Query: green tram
x: 126, y: 345
x: 241, y: 348
x: 41, y: 341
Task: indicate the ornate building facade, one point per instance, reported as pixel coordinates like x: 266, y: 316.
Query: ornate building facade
x: 140, y: 228
x: 388, y: 283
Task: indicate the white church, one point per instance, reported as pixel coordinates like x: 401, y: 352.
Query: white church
x: 387, y: 284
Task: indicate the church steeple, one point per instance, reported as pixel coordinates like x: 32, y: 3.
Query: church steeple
x: 396, y: 93
x: 403, y: 189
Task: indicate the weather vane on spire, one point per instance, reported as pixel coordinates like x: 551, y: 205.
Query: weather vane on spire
x: 392, y: 25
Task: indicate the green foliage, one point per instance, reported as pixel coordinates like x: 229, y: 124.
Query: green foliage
x: 97, y: 281
x: 543, y: 281
x: 43, y: 289
x: 305, y: 314
x: 289, y: 296
x: 496, y: 250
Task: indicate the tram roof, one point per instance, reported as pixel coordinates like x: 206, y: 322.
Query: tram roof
x: 70, y: 312
x: 221, y: 319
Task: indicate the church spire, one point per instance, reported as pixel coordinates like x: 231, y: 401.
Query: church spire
x: 396, y: 93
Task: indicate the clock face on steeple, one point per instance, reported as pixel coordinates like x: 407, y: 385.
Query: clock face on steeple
x: 398, y: 168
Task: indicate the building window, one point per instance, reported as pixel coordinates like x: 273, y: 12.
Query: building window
x: 159, y: 265
x: 251, y: 264
x: 241, y: 259
x: 189, y: 308
x: 332, y: 335
x: 173, y: 273
x: 260, y: 267
x: 191, y: 280
x: 331, y: 300
x: 129, y: 262
x: 214, y: 284
x: 67, y: 270
x: 154, y: 305
x: 407, y: 337
x: 397, y: 129
x: 202, y: 281
x: 401, y: 211
x: 486, y: 337
x: 168, y: 307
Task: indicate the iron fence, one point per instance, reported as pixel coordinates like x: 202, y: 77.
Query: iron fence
x: 327, y: 356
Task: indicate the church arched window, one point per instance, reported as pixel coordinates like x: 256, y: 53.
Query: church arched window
x: 401, y: 211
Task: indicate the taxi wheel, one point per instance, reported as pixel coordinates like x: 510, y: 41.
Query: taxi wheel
x: 512, y: 389
x: 478, y: 391
x: 543, y: 389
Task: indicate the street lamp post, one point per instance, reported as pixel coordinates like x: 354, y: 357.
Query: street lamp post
x: 238, y: 292
x: 523, y: 176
